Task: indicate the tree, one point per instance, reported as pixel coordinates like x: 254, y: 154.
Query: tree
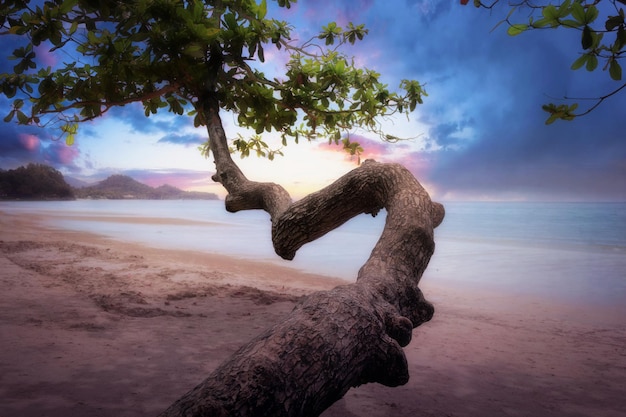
x: 202, y: 57
x: 602, y: 27
x: 34, y: 182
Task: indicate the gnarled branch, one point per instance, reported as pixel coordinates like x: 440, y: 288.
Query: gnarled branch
x: 338, y: 339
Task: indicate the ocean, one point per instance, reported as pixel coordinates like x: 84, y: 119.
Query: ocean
x: 560, y: 251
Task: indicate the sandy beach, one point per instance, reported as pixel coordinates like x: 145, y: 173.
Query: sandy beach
x: 101, y: 328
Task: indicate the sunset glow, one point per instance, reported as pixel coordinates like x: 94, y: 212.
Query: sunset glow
x: 480, y: 134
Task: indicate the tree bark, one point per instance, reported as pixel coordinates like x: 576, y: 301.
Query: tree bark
x: 332, y: 340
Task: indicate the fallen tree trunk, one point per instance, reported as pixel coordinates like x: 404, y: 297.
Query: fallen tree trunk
x: 332, y: 340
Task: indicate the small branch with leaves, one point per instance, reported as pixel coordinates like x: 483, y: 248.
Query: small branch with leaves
x: 602, y: 39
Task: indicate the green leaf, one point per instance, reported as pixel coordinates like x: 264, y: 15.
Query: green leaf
x: 17, y: 30
x: 540, y: 23
x: 592, y: 63
x: 621, y: 37
x: 230, y: 20
x: 261, y: 54
x: 550, y: 12
x: 615, y: 70
x: 552, y: 119
x: 613, y: 21
x: 329, y: 32
x: 70, y: 128
x: 587, y: 38
x: 336, y: 137
x: 516, y: 29
x: 9, y: 90
x: 591, y: 14
x: 564, y: 9
x: 578, y: 13
x: 67, y: 5
x: 262, y: 10
x: 74, y: 27
x: 22, y: 118
x: 9, y: 116
x: 19, y: 68
x: 582, y: 60
x: 569, y: 23
x: 194, y: 50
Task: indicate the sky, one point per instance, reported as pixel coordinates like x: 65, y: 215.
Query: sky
x: 480, y: 134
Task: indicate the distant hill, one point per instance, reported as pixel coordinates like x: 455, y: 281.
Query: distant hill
x: 76, y: 183
x: 34, y: 182
x: 42, y: 182
x: 118, y: 187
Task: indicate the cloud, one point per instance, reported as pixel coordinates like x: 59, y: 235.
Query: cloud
x: 180, y: 178
x: 14, y: 146
x: 134, y: 116
x: 58, y: 154
x: 20, y: 145
x: 187, y: 140
x: 427, y: 10
x: 450, y: 135
x: 483, y: 131
x: 29, y: 142
x: 584, y: 157
x: 420, y: 163
x: 325, y: 11
x: 44, y: 56
x: 372, y: 148
x: 486, y: 133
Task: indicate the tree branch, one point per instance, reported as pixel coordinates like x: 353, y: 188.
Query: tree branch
x: 599, y: 100
x: 170, y: 88
x: 243, y: 194
x: 345, y: 337
x: 333, y: 340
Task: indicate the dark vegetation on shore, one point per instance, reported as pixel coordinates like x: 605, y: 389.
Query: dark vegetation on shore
x: 34, y: 182
x: 42, y: 182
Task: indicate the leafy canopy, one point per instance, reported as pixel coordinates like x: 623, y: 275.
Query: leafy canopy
x: 177, y: 55
x: 602, y: 27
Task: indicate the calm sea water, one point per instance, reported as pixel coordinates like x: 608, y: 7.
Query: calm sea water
x: 568, y: 251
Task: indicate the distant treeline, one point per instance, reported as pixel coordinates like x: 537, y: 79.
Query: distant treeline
x: 42, y: 182
x: 34, y: 182
x: 118, y: 187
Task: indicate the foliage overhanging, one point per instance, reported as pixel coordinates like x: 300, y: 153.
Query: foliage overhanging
x: 602, y: 27
x: 173, y: 55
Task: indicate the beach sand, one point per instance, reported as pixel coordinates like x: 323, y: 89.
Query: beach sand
x: 91, y: 327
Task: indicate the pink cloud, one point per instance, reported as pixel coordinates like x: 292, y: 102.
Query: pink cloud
x: 418, y: 162
x: 58, y: 153
x: 372, y: 148
x: 29, y: 142
x: 67, y: 154
x: 44, y: 55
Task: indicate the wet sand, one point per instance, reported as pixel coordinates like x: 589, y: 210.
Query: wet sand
x: 95, y: 327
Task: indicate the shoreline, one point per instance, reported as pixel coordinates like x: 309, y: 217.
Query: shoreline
x: 98, y: 327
